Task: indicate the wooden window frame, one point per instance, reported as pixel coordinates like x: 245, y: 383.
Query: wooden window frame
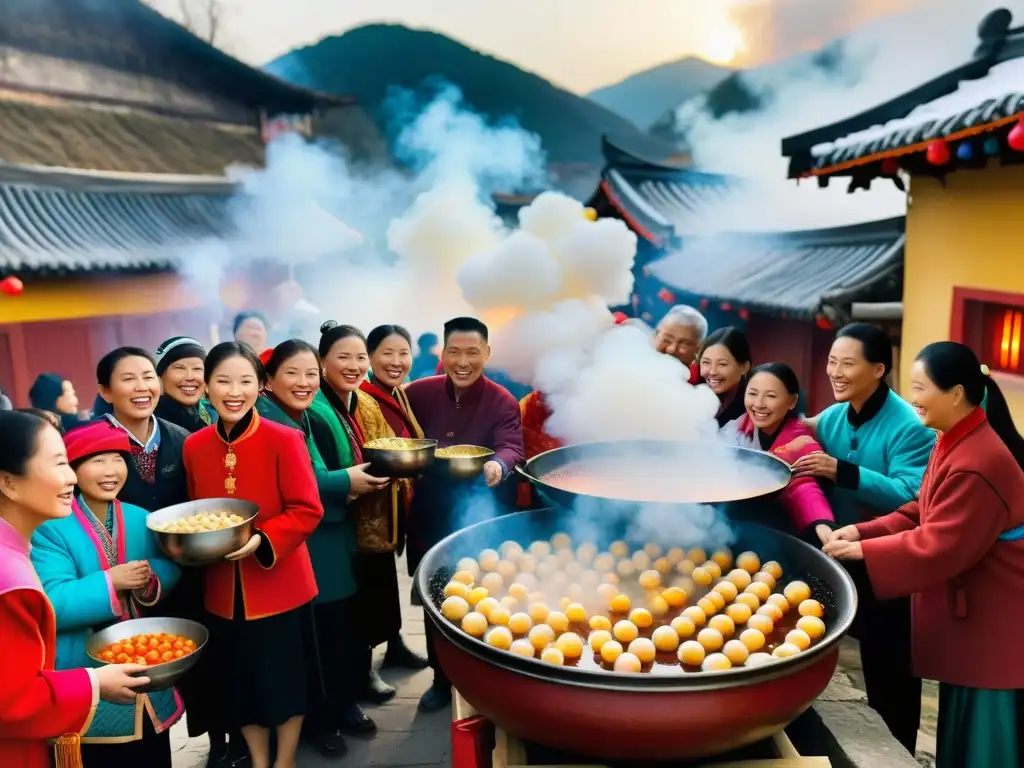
x: 958, y: 321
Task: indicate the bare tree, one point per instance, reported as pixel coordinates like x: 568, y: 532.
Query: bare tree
x: 202, y: 18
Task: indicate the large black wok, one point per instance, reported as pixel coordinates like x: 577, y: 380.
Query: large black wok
x: 634, y: 716
x: 746, y: 473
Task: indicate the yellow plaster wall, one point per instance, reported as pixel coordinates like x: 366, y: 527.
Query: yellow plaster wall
x: 970, y: 234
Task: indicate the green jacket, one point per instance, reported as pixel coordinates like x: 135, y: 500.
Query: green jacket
x: 333, y: 544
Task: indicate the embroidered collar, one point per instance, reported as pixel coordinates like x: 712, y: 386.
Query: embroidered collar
x: 871, y: 408
x: 152, y: 444
x: 242, y: 430
x: 960, y: 430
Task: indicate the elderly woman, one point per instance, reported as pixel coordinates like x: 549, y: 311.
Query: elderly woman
x: 679, y: 334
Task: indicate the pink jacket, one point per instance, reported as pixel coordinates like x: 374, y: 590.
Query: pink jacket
x: 803, y: 499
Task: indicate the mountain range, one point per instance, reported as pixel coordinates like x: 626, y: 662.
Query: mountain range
x: 371, y: 61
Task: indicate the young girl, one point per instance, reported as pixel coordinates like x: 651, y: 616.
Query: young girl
x: 38, y: 704
x: 100, y: 565
x: 958, y: 551
x: 258, y: 597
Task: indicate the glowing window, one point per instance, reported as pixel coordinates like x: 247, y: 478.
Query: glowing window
x: 1002, y: 330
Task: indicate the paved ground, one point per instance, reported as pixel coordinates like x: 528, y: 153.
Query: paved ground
x: 406, y: 738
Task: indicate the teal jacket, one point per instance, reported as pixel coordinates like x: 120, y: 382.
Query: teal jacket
x: 891, y: 451
x: 333, y: 544
x: 67, y: 554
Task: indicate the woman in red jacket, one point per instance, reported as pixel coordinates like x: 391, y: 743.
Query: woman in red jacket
x: 259, y: 604
x: 958, y: 550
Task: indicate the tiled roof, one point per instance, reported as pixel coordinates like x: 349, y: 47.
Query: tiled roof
x: 793, y: 273
x: 70, y: 135
x: 997, y: 96
x: 59, y: 222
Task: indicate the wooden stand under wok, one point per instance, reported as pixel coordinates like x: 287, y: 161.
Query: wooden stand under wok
x: 510, y: 752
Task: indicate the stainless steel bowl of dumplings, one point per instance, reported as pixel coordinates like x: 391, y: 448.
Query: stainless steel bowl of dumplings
x: 399, y: 456
x: 463, y: 462
x: 199, y: 533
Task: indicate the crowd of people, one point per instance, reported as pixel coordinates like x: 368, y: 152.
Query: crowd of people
x: 921, y: 499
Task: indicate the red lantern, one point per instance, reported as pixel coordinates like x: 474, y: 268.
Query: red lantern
x: 938, y: 152
x: 667, y: 296
x: 890, y: 166
x: 726, y: 306
x: 822, y: 322
x: 744, y: 314
x: 619, y: 317
x: 1015, y: 139
x: 11, y: 286
x: 704, y: 304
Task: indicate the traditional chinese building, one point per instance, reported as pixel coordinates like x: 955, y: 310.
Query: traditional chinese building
x: 959, y: 137
x: 116, y: 128
x: 746, y: 258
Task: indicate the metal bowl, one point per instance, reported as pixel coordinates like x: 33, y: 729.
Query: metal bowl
x: 411, y: 460
x: 464, y: 467
x: 637, y: 717
x: 690, y: 465
x: 208, y: 547
x: 161, y: 676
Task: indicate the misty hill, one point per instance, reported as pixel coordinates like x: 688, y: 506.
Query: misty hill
x: 368, y: 62
x: 645, y: 96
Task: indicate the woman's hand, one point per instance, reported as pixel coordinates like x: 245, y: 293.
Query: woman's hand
x: 130, y: 576
x: 493, y: 473
x: 250, y: 546
x: 823, y: 532
x: 846, y: 533
x: 841, y: 549
x: 362, y: 482
x: 116, y: 685
x: 816, y: 465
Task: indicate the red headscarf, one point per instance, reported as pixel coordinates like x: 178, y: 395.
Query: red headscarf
x: 94, y: 438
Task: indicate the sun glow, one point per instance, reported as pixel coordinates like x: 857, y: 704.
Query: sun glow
x: 724, y: 44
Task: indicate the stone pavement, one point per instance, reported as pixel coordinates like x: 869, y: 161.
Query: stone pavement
x: 405, y: 739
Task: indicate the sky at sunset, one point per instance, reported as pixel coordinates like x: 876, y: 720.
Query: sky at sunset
x: 577, y: 44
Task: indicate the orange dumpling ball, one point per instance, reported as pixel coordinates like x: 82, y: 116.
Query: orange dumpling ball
x: 740, y: 613
x: 454, y: 608
x: 697, y: 555
x: 570, y: 644
x: 641, y: 560
x: 710, y: 639
x: 610, y: 651
x: 753, y: 639
x: 781, y: 601
x: 770, y: 610
x: 468, y: 565
x: 749, y: 562
x: 765, y: 578
x: 557, y: 621
x: 476, y: 595
x: 510, y: 549
x: 456, y: 589
x: 748, y: 600
x: 541, y: 636
x: 619, y: 549
x: 625, y: 568
x: 799, y: 638
x: 508, y: 603
x: 506, y: 569
x: 598, y: 639
x: 685, y: 567
x: 701, y: 576
x: 607, y: 592
x: 712, y: 567
x: 757, y: 659
x: 650, y: 579
x: 573, y: 569
x: 686, y: 584
x: 474, y: 624
x: 758, y: 589
x: 796, y: 592
x: 527, y: 565
x: 662, y: 566
x: 552, y: 656
x: 740, y: 578
x: 658, y: 605
x: 707, y: 605
x: 627, y: 662
x: 773, y: 569
x: 499, y: 637
x: 519, y: 623
x: 716, y: 662
x: 518, y: 591
x: 600, y: 622
x: 539, y: 613
x: 576, y: 613
x: 696, y: 615
x: 486, y: 605
x: 540, y: 549
x: 523, y: 648
x: 665, y: 639
x: 723, y: 558
x: 499, y: 616
x: 652, y: 549
x: 812, y: 625
x: 625, y: 631
x: 691, y: 654
x: 675, y: 555
x: 488, y: 560
x: 620, y: 604
x: 723, y: 624
x: 761, y: 623
x: 727, y: 590
x: 785, y: 650
x: 736, y: 652
x: 604, y: 562
x: 464, y: 577
x: 716, y: 599
x: 811, y: 608
x: 643, y: 649
x: 675, y: 597
x: 561, y: 541
x: 564, y: 603
x: 683, y: 626
x: 641, y: 617
x: 586, y: 553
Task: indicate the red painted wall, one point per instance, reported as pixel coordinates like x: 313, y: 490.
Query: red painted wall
x: 802, y: 346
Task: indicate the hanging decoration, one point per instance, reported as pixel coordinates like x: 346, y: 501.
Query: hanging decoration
x: 744, y: 314
x: 667, y: 296
x: 11, y: 286
x: 965, y: 151
x: 704, y: 303
x: 726, y: 306
x: 991, y: 146
x: 619, y: 317
x: 823, y: 323
x: 1015, y: 139
x: 890, y: 166
x: 938, y: 152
